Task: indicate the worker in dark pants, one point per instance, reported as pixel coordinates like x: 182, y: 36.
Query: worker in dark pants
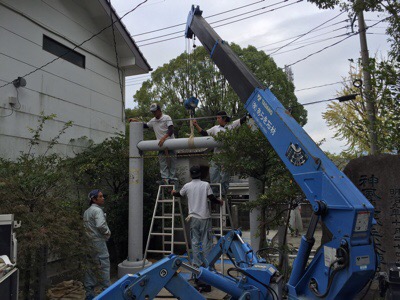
x: 198, y: 192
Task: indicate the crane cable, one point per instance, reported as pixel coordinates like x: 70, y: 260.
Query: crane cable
x: 188, y: 89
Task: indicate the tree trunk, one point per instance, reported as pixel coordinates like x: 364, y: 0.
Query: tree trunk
x: 27, y: 276
x: 41, y: 275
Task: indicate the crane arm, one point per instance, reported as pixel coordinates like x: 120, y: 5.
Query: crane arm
x: 345, y: 264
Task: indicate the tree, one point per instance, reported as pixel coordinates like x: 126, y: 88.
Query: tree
x: 35, y: 189
x: 390, y: 7
x: 349, y: 119
x: 248, y: 152
x: 253, y: 156
x: 176, y: 81
x: 357, y: 7
x: 106, y: 166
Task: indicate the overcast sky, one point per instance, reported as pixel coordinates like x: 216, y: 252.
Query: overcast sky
x: 268, y: 31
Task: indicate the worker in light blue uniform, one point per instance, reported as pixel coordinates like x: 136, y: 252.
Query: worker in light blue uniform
x: 98, y: 233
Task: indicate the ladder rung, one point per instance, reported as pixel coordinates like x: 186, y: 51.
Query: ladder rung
x: 161, y: 234
x: 175, y: 243
x: 162, y: 217
x: 159, y: 251
x: 176, y: 228
x: 166, y: 200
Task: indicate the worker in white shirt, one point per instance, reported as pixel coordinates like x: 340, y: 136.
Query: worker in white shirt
x: 198, y: 192
x: 164, y: 129
x: 217, y: 172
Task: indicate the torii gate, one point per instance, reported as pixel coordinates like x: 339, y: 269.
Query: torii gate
x: 134, y: 262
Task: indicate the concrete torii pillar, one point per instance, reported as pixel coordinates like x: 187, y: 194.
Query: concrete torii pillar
x: 134, y: 262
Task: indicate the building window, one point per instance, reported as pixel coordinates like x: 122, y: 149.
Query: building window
x: 63, y: 52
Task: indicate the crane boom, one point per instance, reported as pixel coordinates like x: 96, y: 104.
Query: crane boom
x: 344, y: 265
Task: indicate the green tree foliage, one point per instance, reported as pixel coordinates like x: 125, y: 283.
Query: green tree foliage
x: 35, y: 189
x: 390, y: 7
x: 196, y: 75
x: 106, y: 166
x: 349, y: 119
x: 247, y: 152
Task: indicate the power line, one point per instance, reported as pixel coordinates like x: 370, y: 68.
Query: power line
x: 347, y: 36
x: 180, y: 32
x: 217, y: 14
x: 312, y: 43
x: 318, y: 86
x: 311, y: 30
x: 116, y: 55
x: 85, y: 41
x: 218, y: 21
x: 283, y: 6
x: 287, y: 39
x: 334, y: 44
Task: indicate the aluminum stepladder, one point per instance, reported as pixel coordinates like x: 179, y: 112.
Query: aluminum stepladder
x: 166, y: 210
x: 219, y: 218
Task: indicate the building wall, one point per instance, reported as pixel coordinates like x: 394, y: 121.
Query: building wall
x: 90, y: 97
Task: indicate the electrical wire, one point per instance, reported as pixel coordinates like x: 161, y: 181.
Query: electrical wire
x: 304, y: 34
x: 217, y: 14
x: 64, y: 78
x: 12, y: 111
x: 319, y: 86
x: 334, y: 44
x: 85, y: 41
x: 343, y: 263
x: 116, y: 54
x: 246, y: 18
x: 292, y: 37
x: 310, y: 44
x: 214, y: 22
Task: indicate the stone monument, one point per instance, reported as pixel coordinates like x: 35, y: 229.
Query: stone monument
x: 378, y: 178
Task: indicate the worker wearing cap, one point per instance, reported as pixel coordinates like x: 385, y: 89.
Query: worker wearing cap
x: 164, y: 129
x: 98, y: 233
x: 217, y: 172
x: 197, y: 193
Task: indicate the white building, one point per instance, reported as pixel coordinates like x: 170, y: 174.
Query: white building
x: 70, y: 68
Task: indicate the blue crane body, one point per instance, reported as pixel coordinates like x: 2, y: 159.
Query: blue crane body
x: 342, y: 266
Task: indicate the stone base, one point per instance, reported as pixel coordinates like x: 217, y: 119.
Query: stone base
x: 131, y: 267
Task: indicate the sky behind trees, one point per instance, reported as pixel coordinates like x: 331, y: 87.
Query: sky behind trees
x: 317, y: 44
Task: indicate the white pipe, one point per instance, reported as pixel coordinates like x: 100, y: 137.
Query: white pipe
x: 176, y: 144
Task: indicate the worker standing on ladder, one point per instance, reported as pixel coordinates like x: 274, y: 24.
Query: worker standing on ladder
x: 217, y: 172
x: 197, y: 192
x: 164, y: 129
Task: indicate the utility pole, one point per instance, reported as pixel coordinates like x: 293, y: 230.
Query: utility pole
x: 367, y: 78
